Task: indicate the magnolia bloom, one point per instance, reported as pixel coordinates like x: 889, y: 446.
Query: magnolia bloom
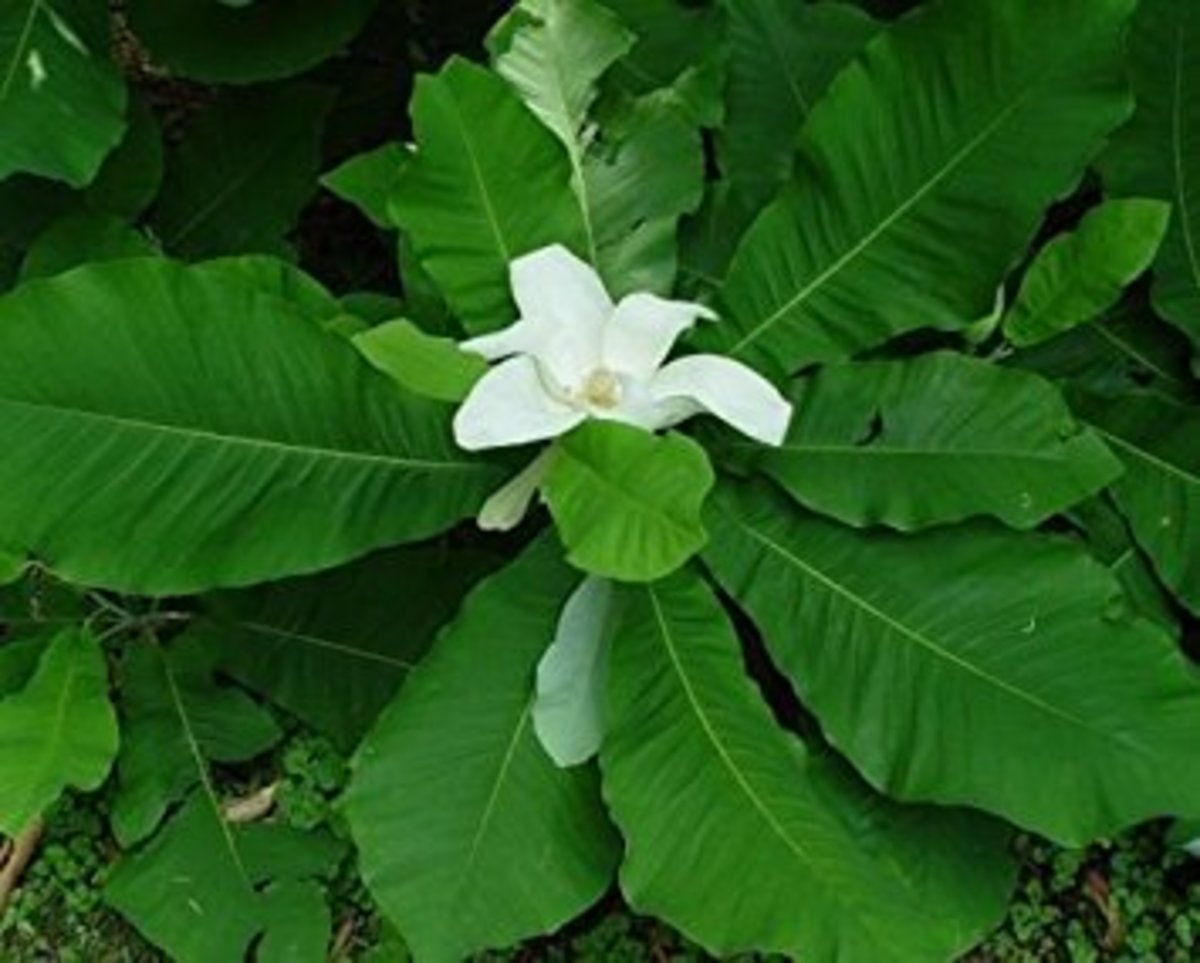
x: 575, y: 355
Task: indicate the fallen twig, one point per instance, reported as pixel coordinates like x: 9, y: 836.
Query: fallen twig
x: 17, y: 853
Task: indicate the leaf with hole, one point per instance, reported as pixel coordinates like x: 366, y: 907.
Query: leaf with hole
x: 1070, y: 717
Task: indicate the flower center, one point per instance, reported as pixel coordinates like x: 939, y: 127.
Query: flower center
x: 602, y: 389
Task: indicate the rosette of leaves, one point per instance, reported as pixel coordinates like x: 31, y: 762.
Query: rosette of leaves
x: 948, y: 605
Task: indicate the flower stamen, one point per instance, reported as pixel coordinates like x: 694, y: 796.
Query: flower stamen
x: 602, y: 389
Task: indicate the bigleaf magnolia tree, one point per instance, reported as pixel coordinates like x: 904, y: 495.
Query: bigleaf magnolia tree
x: 746, y: 454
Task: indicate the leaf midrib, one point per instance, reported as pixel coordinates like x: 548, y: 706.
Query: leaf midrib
x: 1148, y: 456
x: 930, y: 645
x: 681, y: 528
x: 53, y: 746
x: 794, y: 846
x: 899, y: 212
x: 202, y: 435
x: 303, y: 638
x: 194, y: 750
x: 665, y: 636
x: 489, y: 809
x: 229, y: 189
x: 23, y: 39
x: 481, y: 184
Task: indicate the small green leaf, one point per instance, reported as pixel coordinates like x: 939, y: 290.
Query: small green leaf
x: 935, y: 439
x: 368, y: 180
x: 1079, y: 275
x: 426, y: 365
x: 248, y: 164
x: 62, y: 105
x: 488, y: 184
x: 60, y: 730
x: 469, y: 836
x: 627, y: 503
x: 740, y: 835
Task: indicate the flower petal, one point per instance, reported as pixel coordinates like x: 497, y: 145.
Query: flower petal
x: 564, y: 301
x: 726, y: 388
x: 510, y: 405
x: 643, y: 330
x: 519, y: 338
x: 507, y: 506
x: 568, y: 710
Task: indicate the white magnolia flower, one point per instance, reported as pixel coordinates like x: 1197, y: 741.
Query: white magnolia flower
x: 575, y: 355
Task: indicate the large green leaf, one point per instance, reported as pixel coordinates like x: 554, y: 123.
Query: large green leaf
x: 60, y: 730
x: 645, y: 170
x: 1079, y: 275
x: 627, y: 503
x: 27, y: 206
x: 62, y: 104
x: 130, y: 177
x: 202, y: 890
x: 782, y: 57
x: 268, y: 39
x: 169, y: 429
x: 469, y: 835
x: 555, y: 53
x: 488, y: 184
x: 917, y: 187
x: 174, y: 718
x: 82, y: 238
x: 636, y: 170
x: 745, y: 839
x: 237, y: 181
x: 679, y: 55
x: 936, y: 439
x: 970, y: 665
x: 1159, y: 442
x: 329, y: 647
x: 1158, y: 154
